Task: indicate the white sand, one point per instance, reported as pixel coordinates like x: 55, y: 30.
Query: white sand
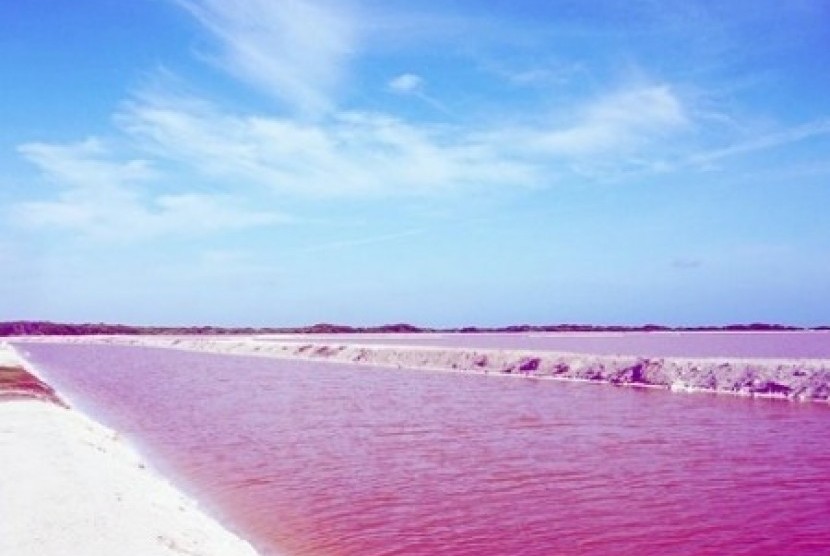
x: 8, y: 357
x: 69, y: 486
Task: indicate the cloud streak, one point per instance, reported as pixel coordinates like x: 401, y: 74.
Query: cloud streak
x: 293, y: 50
x: 106, y: 198
x: 406, y: 83
x: 369, y: 153
x: 410, y: 84
x: 351, y: 153
x: 622, y: 121
x: 253, y: 158
x: 250, y: 158
x: 795, y: 134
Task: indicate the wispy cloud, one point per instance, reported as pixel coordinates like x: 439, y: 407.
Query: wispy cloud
x: 414, y: 85
x: 621, y: 121
x: 773, y: 140
x: 615, y: 136
x: 406, y: 84
x: 294, y: 50
x: 250, y: 157
x: 103, y: 197
x: 556, y: 73
x: 351, y: 153
x: 85, y: 164
x: 106, y: 194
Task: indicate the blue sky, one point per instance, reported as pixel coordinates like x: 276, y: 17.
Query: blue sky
x: 267, y: 162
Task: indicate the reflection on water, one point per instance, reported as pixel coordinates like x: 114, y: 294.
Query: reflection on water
x: 322, y: 459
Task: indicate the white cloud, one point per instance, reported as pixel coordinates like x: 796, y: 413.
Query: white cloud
x: 406, y: 83
x: 295, y: 50
x: 619, y: 122
x: 549, y: 73
x: 83, y: 164
x: 413, y: 85
x: 99, y: 197
x: 365, y: 153
x: 349, y: 153
x: 247, y: 157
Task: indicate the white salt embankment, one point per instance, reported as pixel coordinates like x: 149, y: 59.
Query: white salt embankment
x: 793, y: 379
x: 71, y: 486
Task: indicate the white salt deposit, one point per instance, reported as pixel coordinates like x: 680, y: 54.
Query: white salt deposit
x: 794, y: 379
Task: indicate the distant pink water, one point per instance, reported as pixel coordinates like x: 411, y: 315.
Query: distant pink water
x: 796, y: 344
x: 330, y: 460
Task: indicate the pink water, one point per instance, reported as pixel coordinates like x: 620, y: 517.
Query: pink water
x: 323, y: 459
x: 796, y: 344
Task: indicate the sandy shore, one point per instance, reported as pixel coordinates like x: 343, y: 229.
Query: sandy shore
x: 792, y: 379
x: 71, y: 486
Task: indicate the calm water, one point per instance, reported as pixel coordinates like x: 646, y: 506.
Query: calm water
x: 321, y: 459
x: 812, y: 344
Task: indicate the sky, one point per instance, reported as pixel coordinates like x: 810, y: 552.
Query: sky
x: 443, y: 163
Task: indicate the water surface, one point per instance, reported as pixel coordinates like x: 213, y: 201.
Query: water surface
x: 325, y: 459
x: 774, y: 344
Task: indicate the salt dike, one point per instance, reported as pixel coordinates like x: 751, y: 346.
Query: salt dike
x: 72, y: 486
x: 794, y: 379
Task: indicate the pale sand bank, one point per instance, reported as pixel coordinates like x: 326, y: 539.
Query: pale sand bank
x: 793, y: 379
x: 71, y: 486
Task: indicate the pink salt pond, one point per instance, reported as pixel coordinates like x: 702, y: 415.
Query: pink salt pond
x: 322, y: 459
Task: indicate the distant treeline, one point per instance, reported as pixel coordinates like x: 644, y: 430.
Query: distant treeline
x: 43, y: 328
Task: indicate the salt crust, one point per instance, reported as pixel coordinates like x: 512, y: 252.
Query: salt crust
x: 793, y: 379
